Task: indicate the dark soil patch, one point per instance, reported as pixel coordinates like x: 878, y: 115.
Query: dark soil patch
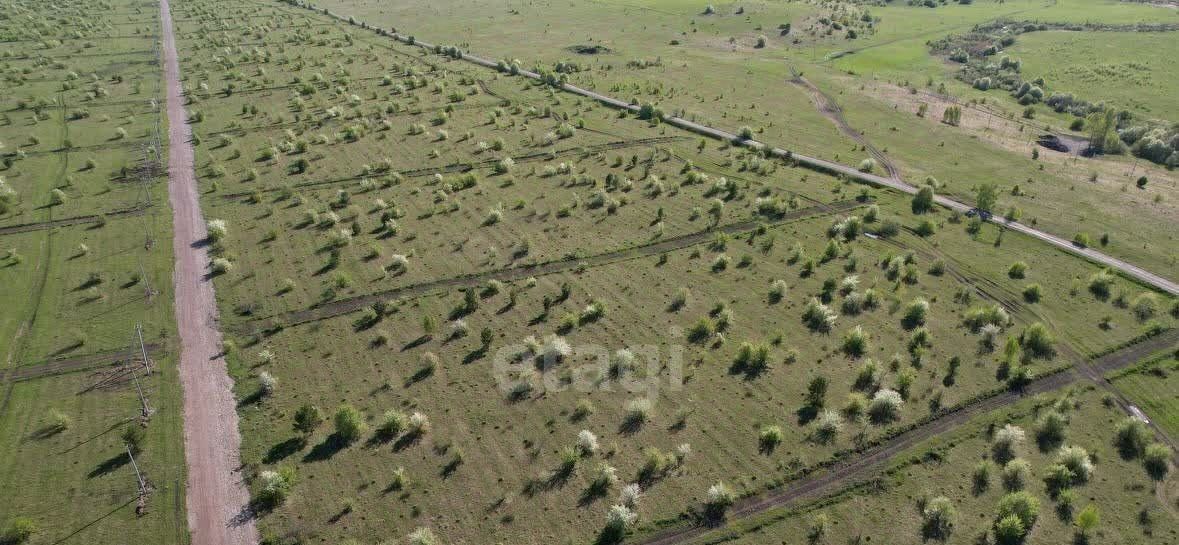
x: 582, y: 49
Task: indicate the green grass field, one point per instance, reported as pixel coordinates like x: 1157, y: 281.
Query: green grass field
x: 1130, y: 63
x: 748, y: 86
x: 78, y: 116
x: 1152, y: 389
x: 307, y: 183
x: 890, y: 504
x: 531, y: 300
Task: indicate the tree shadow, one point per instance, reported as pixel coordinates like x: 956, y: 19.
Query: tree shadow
x: 110, y: 464
x: 340, y: 515
x: 475, y: 355
x: 329, y: 447
x: 406, y: 441
x: 417, y: 342
x: 46, y: 431
x: 450, y: 468
x: 630, y: 426
x: 806, y: 414
x: 282, y: 450
x: 421, y: 374
x: 251, y: 399
x: 594, y: 492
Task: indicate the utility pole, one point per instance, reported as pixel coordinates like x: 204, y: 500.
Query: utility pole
x: 148, y: 292
x: 146, y: 409
x: 138, y: 475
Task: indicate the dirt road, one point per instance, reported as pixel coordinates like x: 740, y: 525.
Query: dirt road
x: 217, y: 498
x: 831, y: 110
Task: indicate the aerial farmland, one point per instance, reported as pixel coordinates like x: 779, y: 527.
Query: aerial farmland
x: 656, y: 272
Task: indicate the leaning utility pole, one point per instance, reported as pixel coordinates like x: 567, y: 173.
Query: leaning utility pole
x: 146, y: 407
x: 138, y: 475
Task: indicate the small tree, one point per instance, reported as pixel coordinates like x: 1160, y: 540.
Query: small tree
x: 1009, y: 530
x: 217, y: 230
x: 58, y: 421
x: 1156, y: 460
x: 1016, y: 474
x: 349, y: 423
x: 618, y: 519
x: 1131, y: 438
x: 719, y: 499
x: 1022, y: 505
x: 828, y: 426
x: 392, y: 424
x: 1050, y: 430
x: 422, y: 536
x: 923, y: 200
x: 1076, y: 459
x: 275, y: 486
x: 885, y: 406
x: 19, y: 531
x: 1007, y: 442
x: 986, y: 197
x: 1087, y: 520
x: 769, y: 438
x: 587, y: 442
x: 1037, y: 341
x: 816, y: 391
x: 266, y: 383
x: 855, y: 342
x: 307, y: 418
x: 940, y: 517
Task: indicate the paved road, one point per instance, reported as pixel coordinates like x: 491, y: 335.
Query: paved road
x: 217, y: 499
x: 1134, y: 271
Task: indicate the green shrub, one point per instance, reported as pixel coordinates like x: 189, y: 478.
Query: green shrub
x: 1156, y: 460
x: 1037, y: 341
x: 923, y: 200
x: 855, y: 342
x: 19, y: 531
x: 349, y: 423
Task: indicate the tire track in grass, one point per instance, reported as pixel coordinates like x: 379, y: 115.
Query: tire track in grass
x: 831, y: 110
x: 43, y: 265
x: 510, y: 274
x: 77, y: 220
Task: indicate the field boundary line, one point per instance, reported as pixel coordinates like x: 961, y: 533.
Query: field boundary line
x: 511, y: 274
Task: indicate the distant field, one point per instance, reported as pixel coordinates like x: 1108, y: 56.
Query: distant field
x: 1132, y: 66
x: 710, y: 70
